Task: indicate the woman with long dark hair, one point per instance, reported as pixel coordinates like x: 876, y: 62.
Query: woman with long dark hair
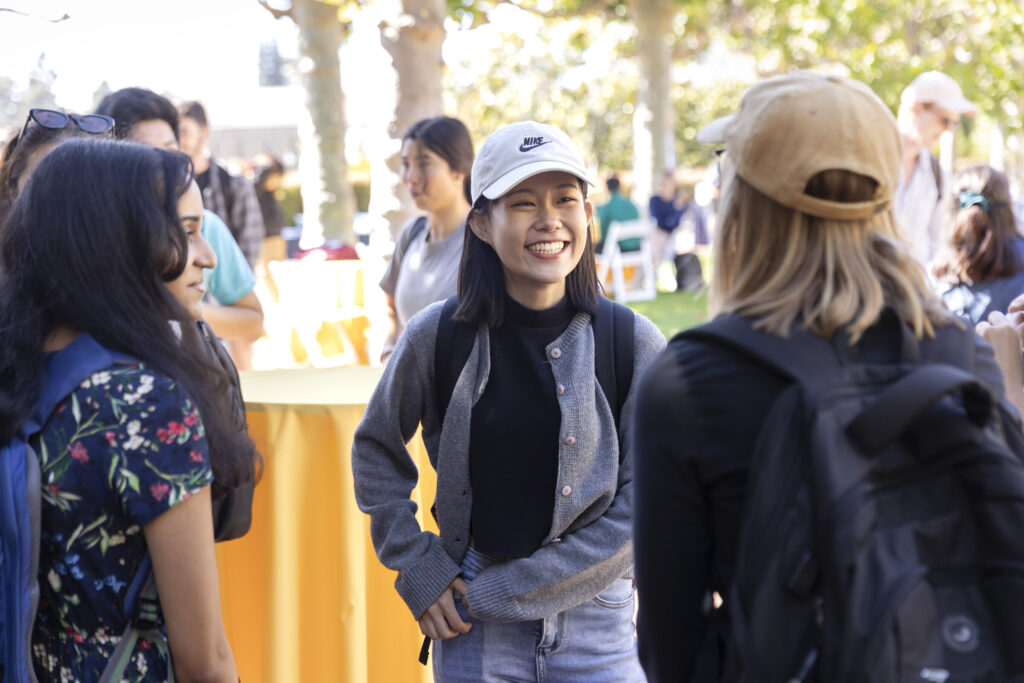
x: 981, y: 267
x: 437, y: 155
x: 105, y: 241
x: 531, y: 576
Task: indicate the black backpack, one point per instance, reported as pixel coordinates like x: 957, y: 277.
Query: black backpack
x: 883, y: 539
x: 689, y: 276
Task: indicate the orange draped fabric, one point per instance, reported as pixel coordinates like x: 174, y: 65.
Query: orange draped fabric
x: 303, y: 595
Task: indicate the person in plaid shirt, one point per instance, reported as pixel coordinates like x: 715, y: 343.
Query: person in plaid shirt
x: 232, y: 197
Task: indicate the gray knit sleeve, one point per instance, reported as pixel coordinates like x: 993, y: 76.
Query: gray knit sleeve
x: 385, y: 473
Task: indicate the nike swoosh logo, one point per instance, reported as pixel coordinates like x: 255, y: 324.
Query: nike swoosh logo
x: 527, y: 148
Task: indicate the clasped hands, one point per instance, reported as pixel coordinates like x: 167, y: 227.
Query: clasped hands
x: 441, y: 620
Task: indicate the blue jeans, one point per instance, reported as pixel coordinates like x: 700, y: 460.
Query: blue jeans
x: 593, y: 642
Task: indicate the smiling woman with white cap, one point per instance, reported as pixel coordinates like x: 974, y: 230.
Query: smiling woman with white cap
x: 807, y: 259
x: 523, y: 387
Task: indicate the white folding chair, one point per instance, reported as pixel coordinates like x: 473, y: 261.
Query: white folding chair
x: 642, y: 286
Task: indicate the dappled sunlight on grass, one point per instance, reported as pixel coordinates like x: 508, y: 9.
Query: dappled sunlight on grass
x: 674, y: 312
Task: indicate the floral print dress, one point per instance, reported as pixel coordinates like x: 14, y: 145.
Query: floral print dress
x: 125, y: 447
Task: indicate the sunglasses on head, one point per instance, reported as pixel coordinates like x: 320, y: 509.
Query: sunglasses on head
x: 95, y: 124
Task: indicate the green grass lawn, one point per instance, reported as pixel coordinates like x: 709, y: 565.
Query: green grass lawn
x: 674, y: 312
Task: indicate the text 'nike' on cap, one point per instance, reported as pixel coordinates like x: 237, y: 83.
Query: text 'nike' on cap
x: 518, y: 151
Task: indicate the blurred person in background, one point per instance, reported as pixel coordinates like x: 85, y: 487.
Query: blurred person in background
x: 269, y: 176
x: 230, y: 307
x: 667, y: 208
x: 437, y: 157
x: 981, y: 266
x: 931, y: 105
x: 230, y: 196
x: 619, y: 207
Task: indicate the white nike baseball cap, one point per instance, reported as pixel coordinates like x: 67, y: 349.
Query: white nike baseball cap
x: 518, y: 151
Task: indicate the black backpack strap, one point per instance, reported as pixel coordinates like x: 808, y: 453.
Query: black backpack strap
x: 937, y: 173
x: 419, y: 226
x: 889, y: 414
x: 613, y: 352
x: 227, y: 191
x: 451, y: 351
x: 799, y: 356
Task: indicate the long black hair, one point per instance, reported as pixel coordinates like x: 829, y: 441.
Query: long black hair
x: 482, y: 278
x: 89, y: 245
x: 449, y: 139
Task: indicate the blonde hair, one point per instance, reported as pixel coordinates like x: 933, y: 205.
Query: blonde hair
x: 782, y: 266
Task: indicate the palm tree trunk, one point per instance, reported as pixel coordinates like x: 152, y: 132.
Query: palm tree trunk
x: 654, y: 147
x: 327, y: 195
x: 413, y: 39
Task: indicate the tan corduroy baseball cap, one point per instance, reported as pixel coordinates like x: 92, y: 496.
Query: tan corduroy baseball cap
x: 518, y: 151
x: 790, y: 128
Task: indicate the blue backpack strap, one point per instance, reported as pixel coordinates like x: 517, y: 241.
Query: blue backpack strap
x: 68, y: 368
x: 19, y: 558
x: 19, y: 543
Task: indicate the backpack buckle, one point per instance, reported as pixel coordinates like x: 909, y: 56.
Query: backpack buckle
x: 147, y: 615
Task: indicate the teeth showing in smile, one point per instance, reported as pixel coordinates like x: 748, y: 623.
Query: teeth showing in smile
x: 546, y: 247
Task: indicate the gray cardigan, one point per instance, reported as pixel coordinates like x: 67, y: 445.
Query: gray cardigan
x: 590, y: 542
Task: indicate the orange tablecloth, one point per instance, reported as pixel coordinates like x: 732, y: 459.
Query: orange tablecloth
x: 303, y: 595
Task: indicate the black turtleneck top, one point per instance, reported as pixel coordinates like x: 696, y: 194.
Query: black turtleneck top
x: 513, y: 448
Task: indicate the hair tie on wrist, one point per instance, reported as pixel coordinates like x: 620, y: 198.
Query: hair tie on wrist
x: 969, y: 199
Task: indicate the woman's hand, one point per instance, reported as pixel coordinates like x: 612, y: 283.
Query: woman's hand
x: 442, y: 620
x: 1003, y: 335
x: 1015, y: 314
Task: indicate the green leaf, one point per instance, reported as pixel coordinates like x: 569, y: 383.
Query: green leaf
x: 132, y: 478
x: 95, y: 523
x: 74, y: 536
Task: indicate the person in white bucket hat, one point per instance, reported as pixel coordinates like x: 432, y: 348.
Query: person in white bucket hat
x: 530, y: 577
x: 931, y: 105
